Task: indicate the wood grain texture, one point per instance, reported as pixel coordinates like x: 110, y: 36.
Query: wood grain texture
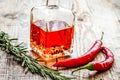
x: 92, y: 18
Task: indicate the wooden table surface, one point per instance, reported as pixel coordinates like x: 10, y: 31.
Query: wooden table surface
x: 92, y: 18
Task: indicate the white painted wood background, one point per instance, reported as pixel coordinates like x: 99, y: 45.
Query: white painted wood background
x: 92, y: 17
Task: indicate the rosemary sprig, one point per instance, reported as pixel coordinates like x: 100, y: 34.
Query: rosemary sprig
x: 27, y: 62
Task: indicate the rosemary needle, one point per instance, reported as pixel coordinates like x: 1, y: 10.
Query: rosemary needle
x: 27, y: 62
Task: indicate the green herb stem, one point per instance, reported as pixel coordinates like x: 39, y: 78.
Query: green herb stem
x: 27, y: 62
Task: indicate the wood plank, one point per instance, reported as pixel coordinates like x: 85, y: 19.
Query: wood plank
x: 92, y: 17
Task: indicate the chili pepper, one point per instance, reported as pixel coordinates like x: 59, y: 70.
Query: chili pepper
x: 102, y: 65
x: 87, y: 57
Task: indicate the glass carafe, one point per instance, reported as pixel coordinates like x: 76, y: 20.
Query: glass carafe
x: 51, y: 31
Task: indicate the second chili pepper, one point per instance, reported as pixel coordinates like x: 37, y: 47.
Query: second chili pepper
x: 102, y: 65
x: 86, y: 58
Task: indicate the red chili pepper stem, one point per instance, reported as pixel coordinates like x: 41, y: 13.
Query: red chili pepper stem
x: 89, y: 66
x: 102, y: 36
